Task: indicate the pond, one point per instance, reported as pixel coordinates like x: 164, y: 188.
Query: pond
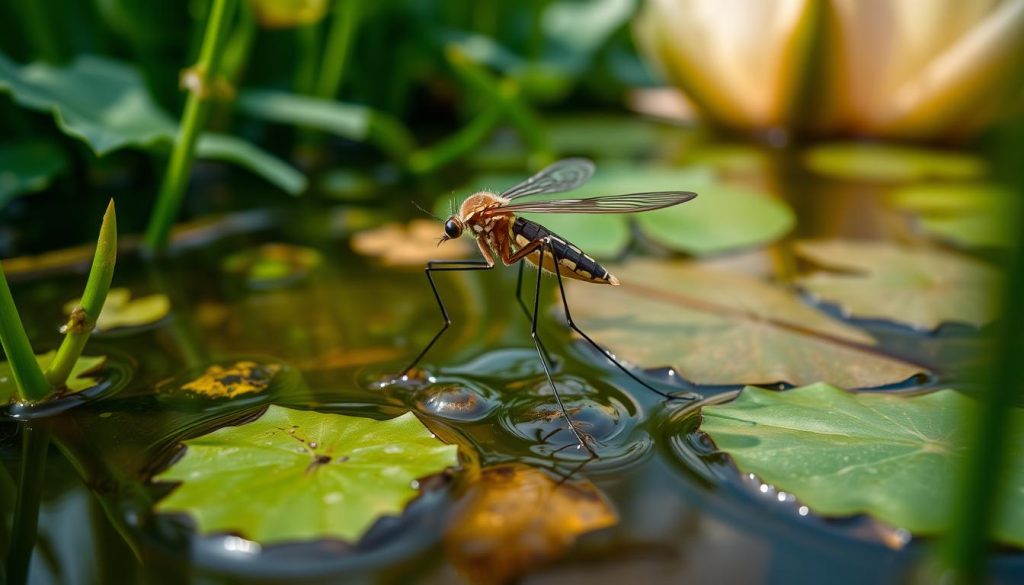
x: 292, y: 307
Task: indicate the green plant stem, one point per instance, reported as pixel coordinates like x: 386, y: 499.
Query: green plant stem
x: 506, y: 94
x: 467, y: 138
x: 197, y: 111
x: 26, y: 510
x: 338, y: 46
x: 28, y: 376
x: 83, y: 318
x: 981, y: 484
x: 39, y: 27
x: 308, y: 37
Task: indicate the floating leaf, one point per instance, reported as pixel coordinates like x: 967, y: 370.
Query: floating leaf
x: 28, y: 166
x: 721, y: 218
x: 717, y: 327
x: 301, y: 475
x: 83, y: 374
x: 105, y: 104
x: 412, y: 244
x: 887, y: 163
x: 515, y: 517
x: 121, y: 310
x: 923, y: 288
x: 843, y: 453
x: 273, y: 265
x: 235, y: 379
x: 972, y: 214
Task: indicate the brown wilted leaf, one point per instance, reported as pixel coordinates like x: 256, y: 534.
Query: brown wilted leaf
x: 411, y: 244
x: 514, y: 518
x: 242, y: 377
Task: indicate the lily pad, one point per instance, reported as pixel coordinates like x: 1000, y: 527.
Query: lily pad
x: 888, y: 163
x: 273, y: 265
x: 515, y: 517
x: 721, y: 328
x: 297, y: 475
x: 231, y: 380
x: 28, y: 166
x: 121, y: 310
x: 721, y: 218
x: 973, y: 214
x: 844, y: 453
x: 920, y: 287
x: 411, y: 244
x: 83, y: 374
x: 105, y: 104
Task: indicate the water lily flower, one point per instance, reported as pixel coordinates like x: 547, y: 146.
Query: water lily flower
x: 903, y: 69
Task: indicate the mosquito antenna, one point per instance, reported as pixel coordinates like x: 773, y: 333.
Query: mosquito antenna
x: 418, y: 206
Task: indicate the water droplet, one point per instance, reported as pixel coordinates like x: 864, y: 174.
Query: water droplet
x: 803, y: 511
x: 414, y: 484
x: 764, y: 488
x: 313, y: 444
x: 236, y: 544
x: 782, y: 496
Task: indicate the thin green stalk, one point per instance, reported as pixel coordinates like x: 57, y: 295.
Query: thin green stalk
x: 34, y: 443
x: 506, y: 94
x: 83, y: 318
x: 467, y: 138
x: 308, y: 37
x: 28, y: 376
x: 39, y: 26
x: 339, y: 45
x: 197, y: 111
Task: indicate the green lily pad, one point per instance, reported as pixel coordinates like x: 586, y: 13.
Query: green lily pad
x: 843, y: 453
x: 105, y: 104
x: 888, y: 163
x: 919, y: 287
x: 716, y: 327
x: 83, y: 374
x: 301, y: 475
x: 721, y: 218
x: 28, y: 166
x: 973, y: 214
x: 121, y: 310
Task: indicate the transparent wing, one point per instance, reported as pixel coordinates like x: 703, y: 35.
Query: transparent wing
x: 631, y: 203
x: 564, y: 175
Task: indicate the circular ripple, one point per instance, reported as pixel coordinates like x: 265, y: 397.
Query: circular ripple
x: 114, y: 376
x: 460, y: 401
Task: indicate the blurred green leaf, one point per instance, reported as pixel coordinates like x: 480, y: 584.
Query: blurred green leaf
x: 922, y: 288
x: 105, y: 104
x: 843, y: 453
x: 716, y: 327
x: 971, y: 214
x: 81, y: 378
x: 302, y: 475
x: 121, y: 310
x: 887, y: 163
x: 28, y: 166
x: 345, y: 120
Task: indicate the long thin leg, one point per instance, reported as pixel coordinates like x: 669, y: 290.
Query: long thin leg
x: 604, y: 352
x: 526, y: 311
x: 444, y: 266
x: 547, y: 369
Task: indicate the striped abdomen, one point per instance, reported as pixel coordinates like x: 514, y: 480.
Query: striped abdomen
x: 573, y: 263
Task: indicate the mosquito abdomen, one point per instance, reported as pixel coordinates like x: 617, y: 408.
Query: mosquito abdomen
x: 573, y: 263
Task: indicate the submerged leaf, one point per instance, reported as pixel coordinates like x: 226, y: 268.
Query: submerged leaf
x: 973, y: 214
x: 412, y: 244
x: 882, y: 163
x: 83, y: 374
x: 105, y: 104
x: 515, y: 518
x: 923, y: 288
x: 842, y: 453
x: 28, y: 166
x: 121, y: 310
x: 301, y: 475
x: 715, y: 327
x: 273, y: 265
x: 242, y: 377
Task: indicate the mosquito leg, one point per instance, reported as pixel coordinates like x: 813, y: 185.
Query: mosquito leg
x: 547, y: 369
x: 604, y: 352
x: 444, y: 266
x: 526, y: 311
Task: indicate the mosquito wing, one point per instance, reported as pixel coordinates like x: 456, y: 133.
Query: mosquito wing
x: 564, y: 175
x: 631, y: 203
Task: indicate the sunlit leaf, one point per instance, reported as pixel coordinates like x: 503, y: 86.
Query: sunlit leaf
x: 972, y: 214
x: 843, y: 453
x: 716, y: 327
x: 121, y: 310
x: 515, y: 518
x: 923, y: 288
x: 412, y: 244
x: 887, y: 163
x: 105, y: 104
x: 28, y: 166
x: 83, y: 374
x: 300, y: 475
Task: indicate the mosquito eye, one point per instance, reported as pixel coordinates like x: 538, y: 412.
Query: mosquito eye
x: 452, y: 229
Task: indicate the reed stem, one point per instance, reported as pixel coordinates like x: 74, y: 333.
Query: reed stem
x: 34, y: 445
x: 339, y: 43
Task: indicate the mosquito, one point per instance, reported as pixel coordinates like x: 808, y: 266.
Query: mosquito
x: 492, y: 220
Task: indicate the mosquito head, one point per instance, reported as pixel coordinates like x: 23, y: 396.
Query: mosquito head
x: 452, y: 228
